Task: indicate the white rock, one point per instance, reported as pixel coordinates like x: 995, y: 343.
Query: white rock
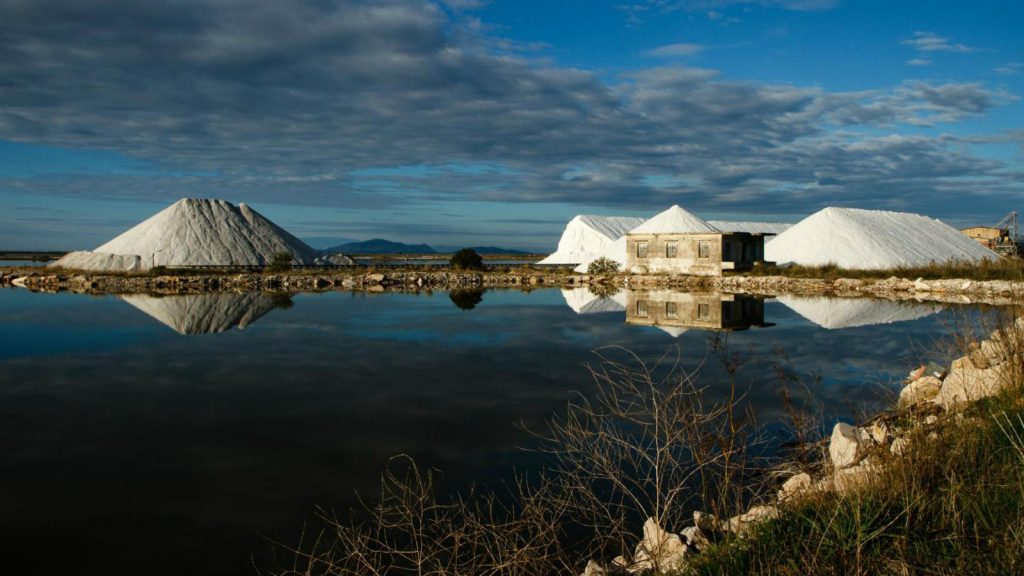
x: 795, y: 485
x: 593, y: 569
x: 855, y: 478
x: 694, y: 537
x: 921, y: 390
x: 899, y: 446
x: 659, y: 550
x: 741, y: 524
x: 966, y: 384
x: 848, y: 445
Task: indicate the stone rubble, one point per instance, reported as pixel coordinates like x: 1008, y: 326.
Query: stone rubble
x: 987, y: 368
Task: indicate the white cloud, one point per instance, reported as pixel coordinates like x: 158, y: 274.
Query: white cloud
x: 676, y: 50
x: 918, y: 62
x: 932, y: 42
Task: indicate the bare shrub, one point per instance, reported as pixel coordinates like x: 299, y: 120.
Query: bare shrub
x: 648, y: 444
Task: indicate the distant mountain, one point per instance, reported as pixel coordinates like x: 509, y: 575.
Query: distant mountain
x: 485, y: 250
x: 322, y: 242
x: 380, y: 246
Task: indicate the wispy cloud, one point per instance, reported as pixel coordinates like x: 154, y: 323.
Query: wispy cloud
x: 931, y: 42
x: 918, y: 62
x: 1009, y: 69
x: 676, y: 50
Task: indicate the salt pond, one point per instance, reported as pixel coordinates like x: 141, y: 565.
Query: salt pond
x: 149, y: 435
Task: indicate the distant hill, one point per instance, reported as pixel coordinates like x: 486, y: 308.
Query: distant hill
x: 322, y: 242
x: 381, y: 246
x: 485, y: 250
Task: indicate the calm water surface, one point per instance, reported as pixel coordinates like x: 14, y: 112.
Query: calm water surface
x: 148, y: 435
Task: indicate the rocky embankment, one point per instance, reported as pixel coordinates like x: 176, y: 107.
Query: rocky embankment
x: 955, y: 290
x: 951, y: 290
x: 254, y: 282
x: 857, y: 456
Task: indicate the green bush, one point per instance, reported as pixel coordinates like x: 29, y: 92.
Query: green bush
x: 280, y: 262
x: 603, y: 266
x: 467, y: 259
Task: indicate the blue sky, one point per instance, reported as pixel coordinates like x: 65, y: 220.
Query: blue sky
x: 492, y: 123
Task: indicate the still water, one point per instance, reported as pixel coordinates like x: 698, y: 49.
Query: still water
x: 149, y: 435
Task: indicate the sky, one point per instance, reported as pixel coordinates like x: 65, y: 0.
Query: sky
x: 475, y: 122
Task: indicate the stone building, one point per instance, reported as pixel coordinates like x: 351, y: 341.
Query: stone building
x: 678, y: 242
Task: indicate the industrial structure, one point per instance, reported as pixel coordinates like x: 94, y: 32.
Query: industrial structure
x: 1003, y: 237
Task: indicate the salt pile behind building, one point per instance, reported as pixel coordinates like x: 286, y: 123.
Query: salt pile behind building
x: 872, y: 239
x: 586, y: 237
x: 194, y: 232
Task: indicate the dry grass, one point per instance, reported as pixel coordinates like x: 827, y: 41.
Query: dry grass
x: 1002, y: 269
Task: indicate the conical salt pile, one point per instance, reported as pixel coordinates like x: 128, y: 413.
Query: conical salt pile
x: 675, y: 220
x: 872, y: 239
x: 194, y: 232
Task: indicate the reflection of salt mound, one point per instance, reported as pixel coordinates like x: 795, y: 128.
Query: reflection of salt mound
x: 586, y: 237
x: 203, y: 313
x: 872, y: 239
x: 583, y: 301
x: 194, y: 232
x: 673, y: 331
x: 835, y: 313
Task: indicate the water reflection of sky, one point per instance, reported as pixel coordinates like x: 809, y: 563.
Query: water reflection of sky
x: 126, y: 447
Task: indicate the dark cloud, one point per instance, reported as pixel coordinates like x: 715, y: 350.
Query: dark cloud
x: 293, y: 101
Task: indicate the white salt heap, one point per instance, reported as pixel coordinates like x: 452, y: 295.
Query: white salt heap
x: 872, y: 239
x: 751, y: 227
x: 194, y: 232
x: 675, y: 220
x: 586, y: 237
x: 836, y: 313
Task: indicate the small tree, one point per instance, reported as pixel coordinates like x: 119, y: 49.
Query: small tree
x: 467, y: 259
x: 603, y: 266
x: 280, y: 262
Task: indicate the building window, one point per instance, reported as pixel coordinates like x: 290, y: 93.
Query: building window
x: 641, y: 308
x: 641, y: 249
x: 727, y: 251
x: 671, y: 249
x: 671, y: 310
x: 704, y: 249
x: 703, y: 311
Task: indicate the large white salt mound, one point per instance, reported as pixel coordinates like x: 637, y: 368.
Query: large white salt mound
x: 751, y: 227
x: 198, y: 232
x: 583, y: 301
x: 675, y: 220
x: 585, y: 237
x: 872, y: 239
x: 203, y: 313
x: 97, y: 262
x: 614, y: 251
x: 836, y: 313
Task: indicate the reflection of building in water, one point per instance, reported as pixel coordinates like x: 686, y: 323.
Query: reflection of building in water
x: 206, y: 313
x: 670, y: 310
